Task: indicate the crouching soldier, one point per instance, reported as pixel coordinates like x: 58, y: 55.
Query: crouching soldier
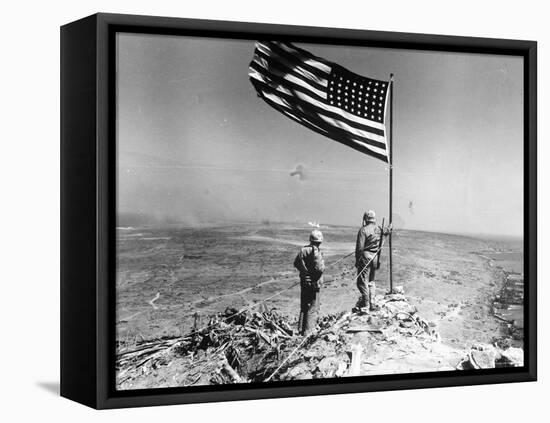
x: 311, y: 266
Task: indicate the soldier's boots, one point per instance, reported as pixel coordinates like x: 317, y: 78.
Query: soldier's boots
x: 365, y: 306
x: 362, y: 306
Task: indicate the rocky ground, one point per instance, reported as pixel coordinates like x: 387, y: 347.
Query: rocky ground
x: 171, y: 280
x: 255, y: 347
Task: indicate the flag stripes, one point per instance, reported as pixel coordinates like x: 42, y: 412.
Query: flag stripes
x: 322, y: 96
x: 295, y: 103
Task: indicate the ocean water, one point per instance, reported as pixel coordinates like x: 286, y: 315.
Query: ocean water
x: 511, y: 261
x: 509, y: 304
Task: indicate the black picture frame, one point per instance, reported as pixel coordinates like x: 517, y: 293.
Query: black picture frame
x: 88, y: 210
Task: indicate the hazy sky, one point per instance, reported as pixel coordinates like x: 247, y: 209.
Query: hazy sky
x: 196, y: 144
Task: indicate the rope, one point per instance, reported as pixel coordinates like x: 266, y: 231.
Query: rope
x: 308, y: 336
x: 273, y: 296
x: 258, y: 303
x: 288, y: 358
x: 270, y: 281
x: 369, y: 262
x: 340, y: 259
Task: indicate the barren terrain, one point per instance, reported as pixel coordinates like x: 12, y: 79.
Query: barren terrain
x: 170, y: 278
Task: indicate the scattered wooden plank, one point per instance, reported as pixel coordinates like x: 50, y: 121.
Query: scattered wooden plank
x: 231, y: 372
x: 364, y: 328
x: 355, y: 366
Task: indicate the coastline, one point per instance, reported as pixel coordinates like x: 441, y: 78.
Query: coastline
x: 508, y: 303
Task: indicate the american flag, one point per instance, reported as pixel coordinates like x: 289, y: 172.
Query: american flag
x: 322, y: 96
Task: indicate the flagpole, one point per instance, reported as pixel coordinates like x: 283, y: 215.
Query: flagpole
x: 391, y: 182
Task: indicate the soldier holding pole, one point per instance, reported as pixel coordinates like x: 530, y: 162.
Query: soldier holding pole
x: 368, y: 246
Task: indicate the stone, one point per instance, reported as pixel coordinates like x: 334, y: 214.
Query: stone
x: 331, y: 337
x: 341, y: 370
x: 394, y: 297
x: 512, y: 357
x: 299, y: 372
x: 398, y: 290
x: 483, y: 359
x: 406, y: 323
x: 328, y: 366
x: 503, y: 342
x: 481, y: 346
x: 402, y: 309
x: 304, y: 376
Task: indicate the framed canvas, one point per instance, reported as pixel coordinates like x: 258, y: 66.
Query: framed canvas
x: 258, y: 211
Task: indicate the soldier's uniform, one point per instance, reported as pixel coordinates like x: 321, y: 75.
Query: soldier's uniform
x: 311, y: 266
x: 368, y: 241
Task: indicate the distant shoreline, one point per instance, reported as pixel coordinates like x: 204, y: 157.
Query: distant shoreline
x: 305, y: 225
x: 508, y: 303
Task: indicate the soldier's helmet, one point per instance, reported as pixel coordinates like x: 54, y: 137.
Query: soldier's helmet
x: 369, y: 216
x: 316, y: 236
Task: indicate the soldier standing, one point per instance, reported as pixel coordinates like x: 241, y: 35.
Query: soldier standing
x: 366, y: 249
x: 311, y: 266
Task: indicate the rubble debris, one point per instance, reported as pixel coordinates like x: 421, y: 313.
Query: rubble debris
x: 399, y: 306
x: 484, y: 356
x: 333, y: 366
x: 246, y: 346
x: 299, y: 372
x: 398, y: 290
x: 483, y: 359
x: 511, y: 357
x: 234, y: 347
